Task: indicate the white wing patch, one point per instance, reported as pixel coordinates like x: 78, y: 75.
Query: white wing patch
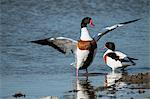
x: 67, y: 39
x: 121, y: 55
x: 114, y: 26
x: 113, y: 63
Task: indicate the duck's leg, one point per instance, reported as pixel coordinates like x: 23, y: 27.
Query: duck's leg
x: 77, y: 72
x: 86, y: 71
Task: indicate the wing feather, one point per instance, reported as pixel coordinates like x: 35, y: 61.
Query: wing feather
x: 62, y: 44
x: 111, y: 28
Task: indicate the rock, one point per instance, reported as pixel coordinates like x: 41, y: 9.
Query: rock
x: 18, y: 94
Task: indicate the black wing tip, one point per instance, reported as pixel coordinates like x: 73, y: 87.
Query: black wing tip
x: 41, y: 42
x: 49, y: 43
x: 131, y: 58
x: 130, y: 21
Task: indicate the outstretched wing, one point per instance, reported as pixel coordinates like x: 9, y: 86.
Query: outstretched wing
x: 62, y: 44
x: 108, y: 29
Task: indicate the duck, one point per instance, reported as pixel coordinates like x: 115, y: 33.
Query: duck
x: 83, y: 49
x: 116, y: 59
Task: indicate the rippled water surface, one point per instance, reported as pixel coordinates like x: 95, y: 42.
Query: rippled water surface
x: 40, y: 71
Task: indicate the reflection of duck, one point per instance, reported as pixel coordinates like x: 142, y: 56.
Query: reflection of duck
x: 85, y: 48
x: 116, y: 59
x: 112, y: 78
x: 84, y: 89
x: 112, y: 85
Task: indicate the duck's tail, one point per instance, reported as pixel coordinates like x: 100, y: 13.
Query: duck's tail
x: 131, y: 60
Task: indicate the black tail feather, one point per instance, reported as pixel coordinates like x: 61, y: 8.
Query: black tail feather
x: 41, y: 42
x: 131, y: 60
x: 130, y: 21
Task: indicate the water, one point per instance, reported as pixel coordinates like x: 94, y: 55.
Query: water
x: 40, y: 71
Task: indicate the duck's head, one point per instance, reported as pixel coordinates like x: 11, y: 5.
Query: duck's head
x: 85, y: 21
x: 110, y: 45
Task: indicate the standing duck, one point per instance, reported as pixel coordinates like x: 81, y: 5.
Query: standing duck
x: 84, y: 49
x: 86, y: 46
x: 116, y: 59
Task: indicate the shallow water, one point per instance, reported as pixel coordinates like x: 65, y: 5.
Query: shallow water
x: 40, y: 71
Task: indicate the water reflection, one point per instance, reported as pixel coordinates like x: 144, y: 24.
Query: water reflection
x: 122, y: 84
x: 84, y: 89
x: 112, y: 84
x: 112, y: 78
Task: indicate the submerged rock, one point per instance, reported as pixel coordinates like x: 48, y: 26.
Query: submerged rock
x: 18, y: 94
